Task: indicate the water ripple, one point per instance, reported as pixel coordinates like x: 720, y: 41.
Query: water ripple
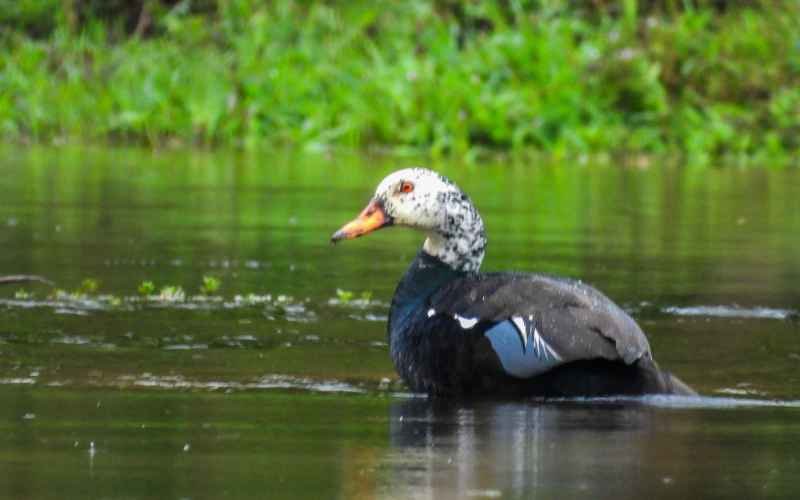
x: 732, y: 312
x: 683, y: 402
x: 265, y: 382
x: 171, y: 382
x: 275, y: 307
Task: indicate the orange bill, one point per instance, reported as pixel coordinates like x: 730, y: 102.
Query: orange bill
x: 371, y: 218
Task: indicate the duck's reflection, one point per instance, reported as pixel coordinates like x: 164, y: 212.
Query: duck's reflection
x: 516, y: 449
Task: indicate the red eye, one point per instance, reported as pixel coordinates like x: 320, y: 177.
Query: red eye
x: 406, y: 187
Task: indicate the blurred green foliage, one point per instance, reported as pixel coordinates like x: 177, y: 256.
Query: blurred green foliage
x: 210, y: 285
x: 88, y: 286
x: 705, y: 78
x: 146, y: 288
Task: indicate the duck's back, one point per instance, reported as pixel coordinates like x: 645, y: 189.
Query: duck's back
x: 516, y: 333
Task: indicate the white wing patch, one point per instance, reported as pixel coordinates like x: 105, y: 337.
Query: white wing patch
x: 522, y: 330
x: 521, y: 348
x: 540, y: 345
x: 466, y: 323
x: 542, y: 348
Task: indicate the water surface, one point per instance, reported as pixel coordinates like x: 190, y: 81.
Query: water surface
x: 279, y: 383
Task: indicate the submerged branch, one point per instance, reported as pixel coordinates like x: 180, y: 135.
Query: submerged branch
x: 24, y: 278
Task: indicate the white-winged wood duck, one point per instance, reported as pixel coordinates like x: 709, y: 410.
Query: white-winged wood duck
x: 457, y: 332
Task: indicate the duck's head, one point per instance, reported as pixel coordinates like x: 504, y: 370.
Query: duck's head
x: 422, y: 199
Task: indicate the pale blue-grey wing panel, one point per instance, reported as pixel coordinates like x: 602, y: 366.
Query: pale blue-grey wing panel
x: 521, y: 348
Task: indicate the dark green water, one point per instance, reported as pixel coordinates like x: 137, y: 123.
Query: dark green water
x: 274, y: 386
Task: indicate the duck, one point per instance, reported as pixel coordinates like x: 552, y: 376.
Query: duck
x: 457, y: 332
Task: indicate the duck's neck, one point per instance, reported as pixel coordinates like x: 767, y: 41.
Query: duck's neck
x: 424, y: 276
x: 461, y: 244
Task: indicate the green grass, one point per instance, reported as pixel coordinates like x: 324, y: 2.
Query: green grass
x: 415, y: 75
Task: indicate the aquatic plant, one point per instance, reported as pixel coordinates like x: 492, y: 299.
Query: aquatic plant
x: 344, y: 296
x: 146, y: 288
x: 350, y: 299
x: 88, y: 286
x: 210, y: 285
x: 172, y: 293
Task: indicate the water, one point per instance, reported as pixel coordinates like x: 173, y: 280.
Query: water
x: 278, y: 384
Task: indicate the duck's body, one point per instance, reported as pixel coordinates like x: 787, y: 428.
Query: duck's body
x: 454, y: 331
x: 515, y: 334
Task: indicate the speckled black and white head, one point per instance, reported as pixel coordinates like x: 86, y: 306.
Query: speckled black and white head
x: 422, y: 199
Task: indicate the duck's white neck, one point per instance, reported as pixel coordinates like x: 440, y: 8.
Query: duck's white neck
x: 461, y: 244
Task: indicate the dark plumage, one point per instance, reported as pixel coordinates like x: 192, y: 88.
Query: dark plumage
x: 602, y: 350
x: 456, y: 332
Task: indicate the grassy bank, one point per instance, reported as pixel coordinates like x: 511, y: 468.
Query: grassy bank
x: 650, y: 77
